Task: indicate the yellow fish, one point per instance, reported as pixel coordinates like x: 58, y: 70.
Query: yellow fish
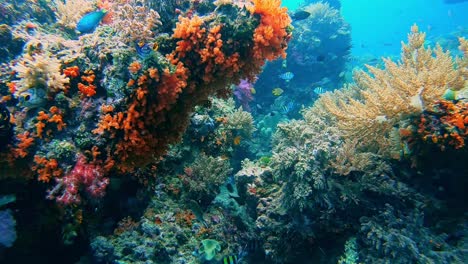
x: 277, y: 91
x: 253, y: 91
x: 237, y: 140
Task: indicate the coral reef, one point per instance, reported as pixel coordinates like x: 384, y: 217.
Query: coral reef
x: 69, y: 12
x: 335, y: 175
x: 204, y: 177
x: 383, y: 99
x: 317, y: 55
x: 90, y: 113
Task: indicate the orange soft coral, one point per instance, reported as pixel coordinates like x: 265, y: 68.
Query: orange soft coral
x: 271, y: 35
x: 46, y: 168
x: 446, y: 125
x: 134, y: 67
x: 73, y: 71
x: 54, y: 117
x: 87, y: 89
x: 21, y: 149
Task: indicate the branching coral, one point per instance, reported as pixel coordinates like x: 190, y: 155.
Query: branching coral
x: 204, y: 177
x: 385, y: 97
x: 398, y: 237
x: 301, y: 147
x: 70, y: 11
x: 134, y: 21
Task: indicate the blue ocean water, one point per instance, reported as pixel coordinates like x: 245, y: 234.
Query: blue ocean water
x: 379, y: 26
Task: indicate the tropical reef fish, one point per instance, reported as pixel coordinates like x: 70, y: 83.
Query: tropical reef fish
x: 288, y: 108
x: 300, y: 15
x: 33, y: 98
x: 90, y: 21
x: 237, y: 140
x: 145, y: 50
x: 277, y: 91
x: 319, y: 90
x: 455, y: 95
x: 287, y: 76
x: 231, y: 259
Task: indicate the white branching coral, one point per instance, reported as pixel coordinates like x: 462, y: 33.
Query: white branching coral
x: 68, y: 12
x: 39, y: 70
x: 135, y: 21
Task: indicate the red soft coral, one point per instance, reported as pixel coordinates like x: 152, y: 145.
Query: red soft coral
x: 83, y: 175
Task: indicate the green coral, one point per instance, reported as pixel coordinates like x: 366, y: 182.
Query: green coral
x: 204, y: 177
x: 62, y: 149
x: 351, y: 255
x: 209, y: 248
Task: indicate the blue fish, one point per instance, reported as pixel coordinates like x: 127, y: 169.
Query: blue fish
x: 90, y: 21
x: 144, y: 50
x: 288, y: 108
x: 287, y: 76
x: 319, y: 90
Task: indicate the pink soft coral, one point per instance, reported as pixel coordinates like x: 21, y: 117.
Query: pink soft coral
x: 84, y: 175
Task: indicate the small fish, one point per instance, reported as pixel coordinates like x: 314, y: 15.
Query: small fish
x: 300, y: 15
x: 277, y: 91
x: 231, y: 259
x: 452, y: 95
x: 33, y: 98
x: 286, y: 109
x: 145, y: 50
x: 253, y: 91
x: 89, y: 22
x: 287, y: 76
x: 237, y: 140
x: 319, y: 90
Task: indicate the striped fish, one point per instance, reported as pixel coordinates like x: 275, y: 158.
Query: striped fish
x: 231, y: 259
x: 287, y: 76
x: 319, y: 90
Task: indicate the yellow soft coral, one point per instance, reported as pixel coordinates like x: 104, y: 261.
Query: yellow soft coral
x: 39, y: 70
x: 380, y: 99
x: 69, y: 12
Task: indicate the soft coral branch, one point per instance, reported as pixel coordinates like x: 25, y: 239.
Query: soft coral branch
x: 84, y: 175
